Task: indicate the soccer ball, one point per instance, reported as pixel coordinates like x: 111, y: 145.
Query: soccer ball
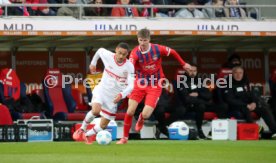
x: 103, y: 137
x: 179, y: 131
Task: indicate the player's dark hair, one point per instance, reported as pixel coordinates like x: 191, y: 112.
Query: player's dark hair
x: 144, y: 33
x: 123, y: 45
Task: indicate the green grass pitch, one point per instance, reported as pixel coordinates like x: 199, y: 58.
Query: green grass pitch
x: 142, y: 151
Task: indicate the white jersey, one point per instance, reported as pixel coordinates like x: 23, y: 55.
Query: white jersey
x: 117, y: 78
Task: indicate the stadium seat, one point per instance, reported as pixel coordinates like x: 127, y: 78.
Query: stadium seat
x: 80, y: 104
x: 60, y: 100
x: 68, y: 98
x: 10, y: 91
x: 191, y: 115
x: 5, y: 116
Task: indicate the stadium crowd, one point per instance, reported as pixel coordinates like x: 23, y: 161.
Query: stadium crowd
x: 189, y: 12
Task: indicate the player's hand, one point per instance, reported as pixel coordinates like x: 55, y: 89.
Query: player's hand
x: 117, y: 98
x: 187, y: 67
x: 253, y: 106
x: 92, y: 69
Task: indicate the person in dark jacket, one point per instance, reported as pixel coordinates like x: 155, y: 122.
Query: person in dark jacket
x: 221, y: 106
x: 96, y: 11
x: 242, y: 100
x: 193, y: 96
x: 163, y: 106
x: 272, y: 85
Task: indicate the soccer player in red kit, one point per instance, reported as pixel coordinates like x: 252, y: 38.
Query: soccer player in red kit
x: 147, y: 60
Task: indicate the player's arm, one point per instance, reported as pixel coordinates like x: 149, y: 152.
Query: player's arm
x: 133, y: 57
x: 100, y: 53
x: 130, y: 85
x: 185, y: 65
x: 168, y: 51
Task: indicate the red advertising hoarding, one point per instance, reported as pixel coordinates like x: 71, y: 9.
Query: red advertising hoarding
x: 5, y: 59
x: 31, y: 68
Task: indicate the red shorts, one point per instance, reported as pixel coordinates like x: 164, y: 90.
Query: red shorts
x: 151, y: 94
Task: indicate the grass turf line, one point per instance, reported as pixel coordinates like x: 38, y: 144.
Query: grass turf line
x: 141, y: 151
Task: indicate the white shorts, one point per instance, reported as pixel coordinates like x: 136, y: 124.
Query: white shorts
x: 109, y: 109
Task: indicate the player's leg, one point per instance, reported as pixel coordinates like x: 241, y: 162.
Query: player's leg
x: 145, y: 114
x: 96, y: 103
x: 135, y: 98
x: 152, y: 97
x: 132, y: 105
x: 96, y: 107
x: 90, y: 136
x: 107, y: 112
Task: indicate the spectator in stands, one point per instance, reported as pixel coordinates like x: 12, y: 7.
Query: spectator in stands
x: 18, y: 11
x: 203, y: 2
x: 242, y: 101
x: 272, y: 84
x: 112, y: 2
x: 214, y: 12
x: 95, y: 11
x: 3, y: 2
x: 226, y: 69
x: 221, y: 107
x: 120, y: 11
x: 190, y: 12
x: 234, y: 12
x: 193, y: 96
x: 44, y: 10
x: 146, y: 12
x: 55, y: 9
x: 232, y: 61
x: 35, y: 10
x: 70, y: 11
x: 164, y: 12
x: 32, y: 9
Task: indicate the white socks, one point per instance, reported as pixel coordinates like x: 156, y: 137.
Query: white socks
x: 88, y: 118
x: 94, y: 130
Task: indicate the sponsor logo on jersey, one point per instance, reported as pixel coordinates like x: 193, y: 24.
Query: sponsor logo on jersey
x: 154, y: 57
x: 150, y: 67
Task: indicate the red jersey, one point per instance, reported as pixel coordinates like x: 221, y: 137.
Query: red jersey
x: 149, y: 63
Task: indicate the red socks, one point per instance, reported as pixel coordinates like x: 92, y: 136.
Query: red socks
x: 140, y: 118
x: 127, y: 125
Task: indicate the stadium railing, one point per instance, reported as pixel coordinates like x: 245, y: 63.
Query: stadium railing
x: 257, y: 9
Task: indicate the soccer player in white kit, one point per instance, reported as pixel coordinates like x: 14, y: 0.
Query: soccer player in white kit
x: 116, y: 83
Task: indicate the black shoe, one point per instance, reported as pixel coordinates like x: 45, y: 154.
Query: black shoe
x: 157, y: 133
x: 201, y: 134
